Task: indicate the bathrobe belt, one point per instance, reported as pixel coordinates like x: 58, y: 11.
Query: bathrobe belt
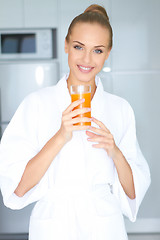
x: 77, y: 190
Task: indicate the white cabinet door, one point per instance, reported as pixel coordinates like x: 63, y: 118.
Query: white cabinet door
x: 11, y: 13
x: 136, y: 35
x: 40, y: 13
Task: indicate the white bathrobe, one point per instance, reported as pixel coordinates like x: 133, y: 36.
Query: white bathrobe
x: 80, y: 196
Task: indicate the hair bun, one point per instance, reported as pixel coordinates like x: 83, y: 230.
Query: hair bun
x: 94, y: 14
x: 97, y: 8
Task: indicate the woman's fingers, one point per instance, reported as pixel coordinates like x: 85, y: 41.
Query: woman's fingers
x: 70, y: 112
x: 100, y: 131
x: 71, y: 117
x: 80, y: 127
x: 73, y: 105
x: 69, y: 125
x: 90, y: 134
x: 80, y: 120
x: 100, y: 124
x: 101, y: 137
x: 108, y: 138
x: 79, y: 111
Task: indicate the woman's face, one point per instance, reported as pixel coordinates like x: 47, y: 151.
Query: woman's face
x: 87, y: 51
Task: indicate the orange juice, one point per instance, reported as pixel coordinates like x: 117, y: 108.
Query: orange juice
x: 86, y: 104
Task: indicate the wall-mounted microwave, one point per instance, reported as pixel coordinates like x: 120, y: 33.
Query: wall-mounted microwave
x: 27, y: 44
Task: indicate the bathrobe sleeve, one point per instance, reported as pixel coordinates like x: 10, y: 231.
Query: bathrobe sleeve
x: 140, y: 170
x: 18, y: 145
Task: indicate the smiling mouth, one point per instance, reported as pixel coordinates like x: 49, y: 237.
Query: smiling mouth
x: 85, y: 69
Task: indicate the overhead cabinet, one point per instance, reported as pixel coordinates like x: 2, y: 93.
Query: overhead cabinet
x: 28, y: 14
x: 40, y: 13
x: 11, y: 14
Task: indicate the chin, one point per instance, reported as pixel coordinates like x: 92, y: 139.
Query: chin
x: 86, y: 78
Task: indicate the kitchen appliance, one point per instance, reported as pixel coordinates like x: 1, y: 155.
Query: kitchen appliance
x: 27, y: 44
x: 17, y: 80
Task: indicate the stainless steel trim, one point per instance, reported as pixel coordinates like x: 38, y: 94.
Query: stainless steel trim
x: 14, y: 236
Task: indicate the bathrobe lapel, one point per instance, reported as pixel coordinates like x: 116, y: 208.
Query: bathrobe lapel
x: 90, y: 164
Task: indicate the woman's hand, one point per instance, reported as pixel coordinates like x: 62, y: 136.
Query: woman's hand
x: 103, y: 138
x: 69, y: 119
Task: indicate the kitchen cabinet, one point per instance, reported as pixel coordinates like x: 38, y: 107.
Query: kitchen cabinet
x: 11, y: 14
x: 28, y: 14
x: 41, y: 13
x: 141, y: 90
x: 136, y: 35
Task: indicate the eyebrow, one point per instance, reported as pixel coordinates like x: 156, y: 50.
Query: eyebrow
x: 79, y: 43
x: 84, y: 44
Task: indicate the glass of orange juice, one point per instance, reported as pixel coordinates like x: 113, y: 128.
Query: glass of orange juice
x: 82, y: 92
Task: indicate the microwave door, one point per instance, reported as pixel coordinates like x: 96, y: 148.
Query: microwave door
x: 27, y: 44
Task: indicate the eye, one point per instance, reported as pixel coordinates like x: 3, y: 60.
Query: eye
x: 78, y: 47
x: 98, y: 51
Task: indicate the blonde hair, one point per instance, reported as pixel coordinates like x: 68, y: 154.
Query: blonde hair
x: 93, y: 14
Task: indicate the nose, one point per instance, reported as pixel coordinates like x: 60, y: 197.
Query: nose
x: 87, y: 57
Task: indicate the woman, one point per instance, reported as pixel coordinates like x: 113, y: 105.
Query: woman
x: 82, y: 177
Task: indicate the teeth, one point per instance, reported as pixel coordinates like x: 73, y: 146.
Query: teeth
x: 84, y: 68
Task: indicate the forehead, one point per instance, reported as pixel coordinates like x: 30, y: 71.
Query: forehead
x: 92, y: 33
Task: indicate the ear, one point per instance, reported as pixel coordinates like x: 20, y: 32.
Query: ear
x: 66, y: 46
x: 108, y: 53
